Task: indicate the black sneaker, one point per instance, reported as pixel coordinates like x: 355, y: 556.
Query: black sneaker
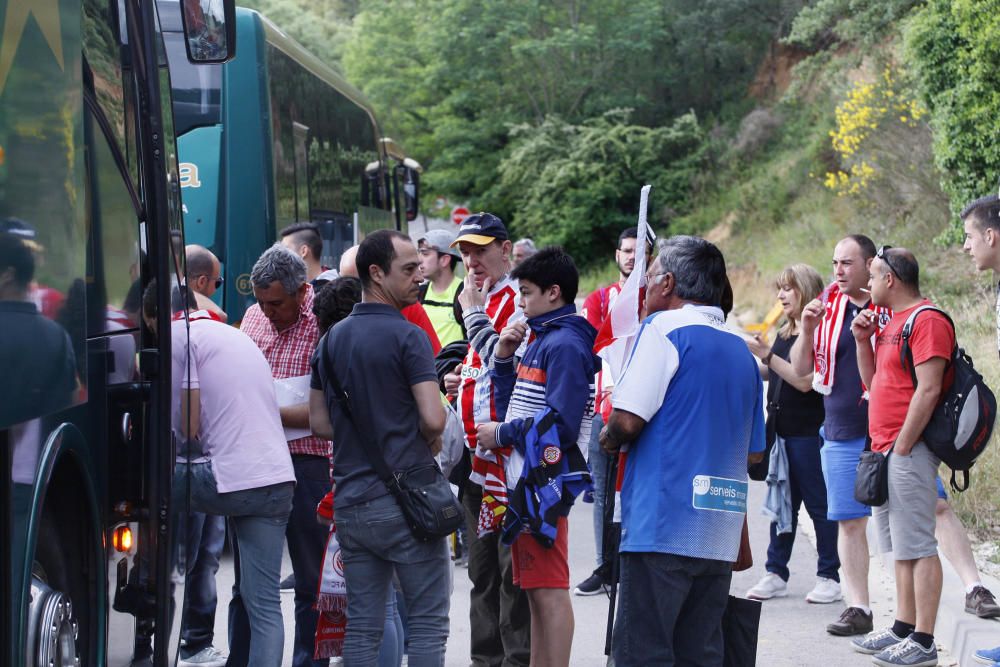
x: 982, y: 603
x: 852, y: 622
x: 287, y: 584
x: 592, y: 585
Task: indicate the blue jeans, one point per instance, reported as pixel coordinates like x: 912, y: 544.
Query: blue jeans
x: 805, y: 481
x: 375, y: 542
x: 390, y: 653
x: 259, y: 517
x: 598, y: 461
x: 206, y: 535
x: 306, y: 547
x: 670, y: 610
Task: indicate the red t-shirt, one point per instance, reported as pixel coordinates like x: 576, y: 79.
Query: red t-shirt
x: 892, y: 386
x: 415, y: 314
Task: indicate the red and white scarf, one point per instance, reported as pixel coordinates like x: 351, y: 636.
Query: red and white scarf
x: 331, y: 602
x: 828, y: 332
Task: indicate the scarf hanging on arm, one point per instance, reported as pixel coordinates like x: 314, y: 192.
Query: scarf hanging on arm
x: 827, y: 336
x: 331, y: 600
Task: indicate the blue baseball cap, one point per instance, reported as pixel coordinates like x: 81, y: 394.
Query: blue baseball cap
x: 481, y: 229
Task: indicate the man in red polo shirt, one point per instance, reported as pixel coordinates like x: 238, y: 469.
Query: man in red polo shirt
x: 898, y: 411
x: 284, y: 327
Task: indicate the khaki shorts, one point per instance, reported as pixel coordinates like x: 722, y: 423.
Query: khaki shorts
x: 906, y: 522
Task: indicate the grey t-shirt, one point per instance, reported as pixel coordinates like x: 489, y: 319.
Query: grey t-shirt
x: 846, y: 411
x: 377, y: 356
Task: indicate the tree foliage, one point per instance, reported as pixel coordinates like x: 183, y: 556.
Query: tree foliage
x: 954, y: 46
x: 574, y: 184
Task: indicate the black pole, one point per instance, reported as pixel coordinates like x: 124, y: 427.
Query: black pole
x: 611, y: 536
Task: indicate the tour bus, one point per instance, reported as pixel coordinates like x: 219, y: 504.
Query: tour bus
x: 90, y: 215
x: 273, y: 137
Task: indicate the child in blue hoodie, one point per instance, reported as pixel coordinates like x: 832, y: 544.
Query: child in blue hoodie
x: 547, y: 405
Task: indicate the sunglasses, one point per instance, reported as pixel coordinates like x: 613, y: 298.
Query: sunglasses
x: 218, y: 281
x: 883, y: 254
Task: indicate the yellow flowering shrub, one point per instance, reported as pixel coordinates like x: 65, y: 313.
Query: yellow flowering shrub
x: 867, y: 107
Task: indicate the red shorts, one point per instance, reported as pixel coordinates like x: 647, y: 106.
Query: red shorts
x: 538, y: 567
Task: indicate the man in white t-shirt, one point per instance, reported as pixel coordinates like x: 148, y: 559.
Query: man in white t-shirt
x: 247, y: 474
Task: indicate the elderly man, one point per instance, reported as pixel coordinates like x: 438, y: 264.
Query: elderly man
x: 522, y: 250
x: 691, y: 403
x: 284, y: 327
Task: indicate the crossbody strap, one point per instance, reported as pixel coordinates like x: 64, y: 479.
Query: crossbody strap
x: 372, y: 452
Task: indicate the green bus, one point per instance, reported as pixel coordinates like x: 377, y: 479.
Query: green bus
x: 273, y: 137
x: 90, y: 215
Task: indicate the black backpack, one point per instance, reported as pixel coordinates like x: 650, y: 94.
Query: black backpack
x: 962, y: 423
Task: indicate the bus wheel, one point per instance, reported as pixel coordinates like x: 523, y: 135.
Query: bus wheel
x: 57, y: 633
x: 52, y: 630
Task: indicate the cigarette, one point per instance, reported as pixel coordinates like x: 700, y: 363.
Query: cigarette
x: 866, y: 291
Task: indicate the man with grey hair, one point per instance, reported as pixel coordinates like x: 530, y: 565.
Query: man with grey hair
x: 284, y: 327
x: 684, y: 492
x: 523, y: 249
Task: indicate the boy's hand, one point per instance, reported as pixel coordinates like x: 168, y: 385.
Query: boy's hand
x: 452, y: 381
x: 486, y: 435
x: 511, y: 338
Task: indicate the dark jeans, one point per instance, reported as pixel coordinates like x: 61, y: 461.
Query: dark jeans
x: 306, y: 545
x: 206, y: 535
x: 805, y: 482
x: 500, y: 621
x: 670, y: 610
x: 375, y: 543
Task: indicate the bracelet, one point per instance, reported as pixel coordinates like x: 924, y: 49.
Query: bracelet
x: 496, y: 433
x: 767, y: 359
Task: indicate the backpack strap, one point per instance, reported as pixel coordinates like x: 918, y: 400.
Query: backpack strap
x: 905, y: 353
x: 954, y: 480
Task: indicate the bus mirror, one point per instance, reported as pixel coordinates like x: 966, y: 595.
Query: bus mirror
x: 209, y: 30
x: 408, y: 182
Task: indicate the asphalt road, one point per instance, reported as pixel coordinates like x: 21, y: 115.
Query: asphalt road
x: 792, y: 631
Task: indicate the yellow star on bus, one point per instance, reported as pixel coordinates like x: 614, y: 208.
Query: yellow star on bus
x: 46, y: 13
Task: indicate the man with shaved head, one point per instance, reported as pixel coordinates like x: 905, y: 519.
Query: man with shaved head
x: 204, y: 277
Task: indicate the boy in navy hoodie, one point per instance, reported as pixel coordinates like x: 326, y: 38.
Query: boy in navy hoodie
x: 548, y: 400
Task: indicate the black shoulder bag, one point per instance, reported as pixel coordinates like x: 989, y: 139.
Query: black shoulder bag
x: 871, y: 481
x: 424, y: 495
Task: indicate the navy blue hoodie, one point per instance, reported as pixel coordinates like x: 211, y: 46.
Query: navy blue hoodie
x: 557, y: 371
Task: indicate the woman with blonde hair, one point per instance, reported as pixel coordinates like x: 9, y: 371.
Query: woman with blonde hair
x: 795, y: 414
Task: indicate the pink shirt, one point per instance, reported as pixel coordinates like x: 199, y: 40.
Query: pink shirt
x: 240, y: 427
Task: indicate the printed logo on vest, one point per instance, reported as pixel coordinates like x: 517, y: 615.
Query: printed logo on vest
x: 551, y: 455
x: 718, y: 494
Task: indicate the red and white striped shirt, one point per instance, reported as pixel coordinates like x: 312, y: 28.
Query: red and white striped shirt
x: 475, y: 393
x: 288, y: 352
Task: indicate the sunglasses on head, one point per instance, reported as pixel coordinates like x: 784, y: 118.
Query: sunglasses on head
x: 883, y: 254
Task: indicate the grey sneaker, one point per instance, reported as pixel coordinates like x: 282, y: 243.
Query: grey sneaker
x: 875, y: 642
x: 982, y: 603
x: 907, y: 653
x: 206, y: 657
x: 852, y: 621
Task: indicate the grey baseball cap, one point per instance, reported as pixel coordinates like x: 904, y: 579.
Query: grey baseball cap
x: 440, y: 240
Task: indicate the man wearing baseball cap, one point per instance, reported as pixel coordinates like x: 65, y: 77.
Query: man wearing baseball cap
x: 498, y: 610
x: 441, y: 287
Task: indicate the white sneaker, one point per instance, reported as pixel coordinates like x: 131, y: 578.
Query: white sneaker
x: 771, y: 586
x: 824, y: 592
x: 207, y: 657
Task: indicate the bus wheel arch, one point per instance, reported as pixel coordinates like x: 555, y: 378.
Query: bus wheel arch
x: 64, y: 623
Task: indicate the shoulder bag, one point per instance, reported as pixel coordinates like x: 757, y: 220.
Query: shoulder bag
x: 871, y: 482
x: 758, y: 471
x: 422, y: 492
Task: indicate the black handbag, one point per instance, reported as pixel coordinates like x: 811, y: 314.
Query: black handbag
x: 871, y: 481
x: 758, y: 471
x: 422, y: 492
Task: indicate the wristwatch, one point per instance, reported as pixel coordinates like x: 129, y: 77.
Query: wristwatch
x: 767, y: 358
